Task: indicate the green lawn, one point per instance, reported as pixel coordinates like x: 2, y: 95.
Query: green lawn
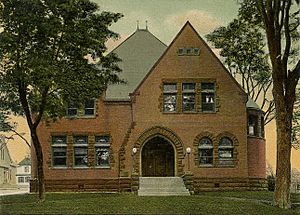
x: 99, y: 203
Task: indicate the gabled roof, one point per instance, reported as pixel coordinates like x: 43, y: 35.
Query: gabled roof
x: 25, y: 162
x: 138, y: 54
x: 188, y: 25
x: 251, y: 104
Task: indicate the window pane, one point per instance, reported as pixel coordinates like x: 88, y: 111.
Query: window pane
x: 89, y: 107
x: 170, y: 87
x: 81, y: 140
x: 27, y: 179
x: 207, y: 86
x: 225, y: 153
x: 169, y: 103
x: 59, y: 151
x: 188, y: 102
x: 59, y: 140
x: 59, y: 156
x: 188, y: 87
x: 102, y: 139
x: 80, y: 156
x: 102, y: 156
x: 225, y: 141
x: 208, y: 101
x: 205, y: 142
x: 72, y: 111
x: 20, y: 179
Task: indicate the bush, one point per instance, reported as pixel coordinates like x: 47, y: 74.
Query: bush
x: 271, y: 182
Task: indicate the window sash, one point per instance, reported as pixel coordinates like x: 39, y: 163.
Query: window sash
x: 80, y: 156
x: 102, y: 155
x: 89, y: 108
x: 188, y: 102
x: 170, y: 101
x: 80, y: 140
x: 59, y: 156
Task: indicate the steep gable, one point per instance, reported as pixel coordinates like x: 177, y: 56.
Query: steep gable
x: 138, y: 54
x: 189, y: 38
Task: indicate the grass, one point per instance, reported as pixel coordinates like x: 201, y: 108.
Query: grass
x: 99, y: 203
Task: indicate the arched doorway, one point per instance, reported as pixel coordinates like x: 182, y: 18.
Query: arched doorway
x: 158, y: 158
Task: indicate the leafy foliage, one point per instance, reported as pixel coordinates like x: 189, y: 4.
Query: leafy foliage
x: 44, y: 44
x: 242, y: 47
x: 44, y: 62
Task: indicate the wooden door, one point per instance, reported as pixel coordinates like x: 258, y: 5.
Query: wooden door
x: 158, y: 158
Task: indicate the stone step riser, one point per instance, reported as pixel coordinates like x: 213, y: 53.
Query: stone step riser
x: 162, y: 186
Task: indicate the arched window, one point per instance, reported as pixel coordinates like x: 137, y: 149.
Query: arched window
x: 205, y: 151
x: 225, y: 151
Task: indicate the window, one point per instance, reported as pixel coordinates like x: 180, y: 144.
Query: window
x: 81, y: 151
x: 59, y: 151
x: 89, y: 108
x: 102, y: 151
x: 26, y: 169
x: 205, y: 151
x: 188, y: 97
x: 170, y: 97
x: 188, y: 51
x: 225, y: 151
x: 27, y: 179
x: 72, y: 109
x: 253, y: 125
x: 262, y: 124
x: 20, y: 179
x: 208, y: 97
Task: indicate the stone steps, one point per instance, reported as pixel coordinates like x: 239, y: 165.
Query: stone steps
x: 162, y: 186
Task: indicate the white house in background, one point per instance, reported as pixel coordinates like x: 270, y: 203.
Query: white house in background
x: 24, y: 172
x: 7, y: 166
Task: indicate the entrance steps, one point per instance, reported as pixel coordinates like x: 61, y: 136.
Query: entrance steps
x: 162, y: 186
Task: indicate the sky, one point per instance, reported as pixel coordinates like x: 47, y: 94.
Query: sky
x: 165, y: 18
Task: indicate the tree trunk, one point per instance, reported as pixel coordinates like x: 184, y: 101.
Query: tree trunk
x: 284, y: 113
x: 283, y: 167
x: 40, y: 169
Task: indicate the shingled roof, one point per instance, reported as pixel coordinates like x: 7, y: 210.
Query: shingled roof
x: 138, y: 53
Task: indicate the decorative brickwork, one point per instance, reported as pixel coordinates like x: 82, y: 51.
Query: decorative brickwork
x: 167, y: 134
x: 122, y: 149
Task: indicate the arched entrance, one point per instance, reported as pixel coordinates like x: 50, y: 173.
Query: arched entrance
x: 158, y: 158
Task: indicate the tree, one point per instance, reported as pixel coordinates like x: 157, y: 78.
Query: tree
x: 280, y: 23
x: 44, y: 64
x: 243, y: 50
x: 276, y: 21
x: 7, y: 126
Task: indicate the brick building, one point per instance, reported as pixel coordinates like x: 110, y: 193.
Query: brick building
x: 181, y: 114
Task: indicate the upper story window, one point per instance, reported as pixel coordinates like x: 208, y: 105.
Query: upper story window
x: 253, y: 125
x: 80, y: 151
x: 81, y: 110
x: 208, y: 97
x: 59, y: 151
x: 26, y: 169
x: 188, y: 51
x: 102, y: 150
x: 225, y: 151
x: 89, y: 108
x: 188, y: 97
x: 170, y: 97
x: 72, y: 109
x: 205, y: 151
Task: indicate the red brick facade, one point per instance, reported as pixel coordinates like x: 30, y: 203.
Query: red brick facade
x: 133, y: 123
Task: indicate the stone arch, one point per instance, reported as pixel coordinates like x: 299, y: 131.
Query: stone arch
x: 169, y: 135
x: 196, y: 144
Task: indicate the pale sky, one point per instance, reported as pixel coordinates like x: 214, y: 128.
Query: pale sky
x: 165, y: 19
